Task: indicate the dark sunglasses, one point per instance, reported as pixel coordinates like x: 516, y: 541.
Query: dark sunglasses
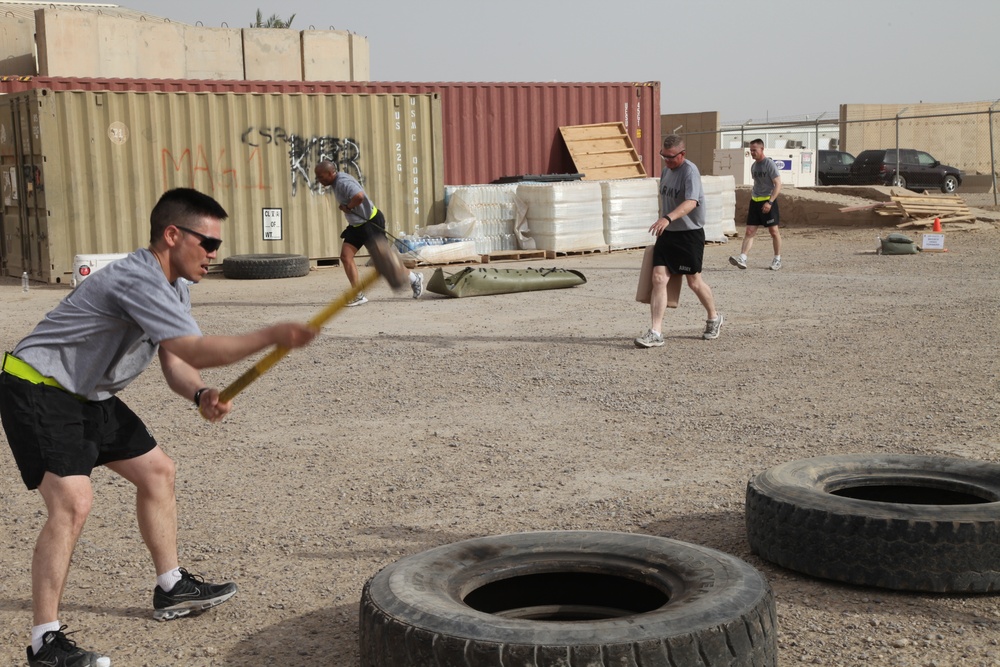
x: 209, y: 243
x: 671, y: 157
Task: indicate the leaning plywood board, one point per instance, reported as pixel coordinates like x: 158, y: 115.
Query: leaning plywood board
x: 603, y: 151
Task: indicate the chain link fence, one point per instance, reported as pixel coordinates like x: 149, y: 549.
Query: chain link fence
x: 966, y: 136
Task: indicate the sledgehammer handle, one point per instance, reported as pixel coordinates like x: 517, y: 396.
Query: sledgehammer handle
x: 275, y: 355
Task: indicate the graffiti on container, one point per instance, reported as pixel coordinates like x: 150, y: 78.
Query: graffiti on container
x: 198, y: 167
x: 304, y: 153
x: 193, y: 165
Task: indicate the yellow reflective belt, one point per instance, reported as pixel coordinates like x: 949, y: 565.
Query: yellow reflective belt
x: 20, y: 369
x: 764, y: 198
x: 374, y: 213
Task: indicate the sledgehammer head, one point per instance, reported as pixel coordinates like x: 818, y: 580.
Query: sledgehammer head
x: 387, y: 263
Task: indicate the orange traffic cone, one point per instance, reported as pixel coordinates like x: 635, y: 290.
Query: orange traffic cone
x: 937, y: 224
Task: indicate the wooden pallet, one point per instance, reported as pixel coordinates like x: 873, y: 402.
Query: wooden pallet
x: 602, y: 151
x: 511, y: 255
x: 552, y: 254
x: 628, y: 248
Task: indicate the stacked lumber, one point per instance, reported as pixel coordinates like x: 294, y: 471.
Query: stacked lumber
x: 920, y: 210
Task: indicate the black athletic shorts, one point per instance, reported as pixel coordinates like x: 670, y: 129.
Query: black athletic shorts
x: 49, y: 429
x: 359, y: 235
x: 757, y: 218
x: 681, y: 252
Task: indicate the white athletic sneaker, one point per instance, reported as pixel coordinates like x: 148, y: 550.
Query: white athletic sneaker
x: 418, y: 286
x: 776, y: 264
x: 736, y: 260
x: 358, y: 300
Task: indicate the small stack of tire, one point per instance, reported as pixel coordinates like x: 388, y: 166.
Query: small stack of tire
x: 265, y: 266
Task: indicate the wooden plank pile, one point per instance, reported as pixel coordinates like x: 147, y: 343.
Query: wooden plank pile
x: 920, y: 210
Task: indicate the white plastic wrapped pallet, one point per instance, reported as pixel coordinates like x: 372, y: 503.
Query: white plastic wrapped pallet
x: 720, y: 206
x: 563, y: 217
x: 630, y: 206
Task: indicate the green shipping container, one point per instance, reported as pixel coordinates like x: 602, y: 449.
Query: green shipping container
x: 80, y: 171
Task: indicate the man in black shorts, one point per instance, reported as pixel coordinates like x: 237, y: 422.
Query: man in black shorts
x: 763, y: 210
x: 62, y: 416
x: 680, y: 241
x: 364, y: 221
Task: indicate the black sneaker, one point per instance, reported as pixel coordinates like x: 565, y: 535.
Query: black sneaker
x: 58, y: 650
x: 189, y: 594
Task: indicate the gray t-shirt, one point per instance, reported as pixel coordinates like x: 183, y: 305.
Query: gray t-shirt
x: 763, y: 173
x: 678, y: 185
x: 107, y: 330
x: 344, y: 189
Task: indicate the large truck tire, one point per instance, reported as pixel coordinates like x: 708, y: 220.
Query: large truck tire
x: 903, y: 522
x: 256, y: 267
x: 569, y: 598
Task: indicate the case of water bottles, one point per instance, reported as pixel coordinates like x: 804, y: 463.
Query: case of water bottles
x: 490, y: 211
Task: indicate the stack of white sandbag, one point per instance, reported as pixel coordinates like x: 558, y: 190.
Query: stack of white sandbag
x: 562, y: 217
x: 631, y: 206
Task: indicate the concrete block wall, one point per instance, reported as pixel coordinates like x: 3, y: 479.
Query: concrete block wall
x: 89, y: 44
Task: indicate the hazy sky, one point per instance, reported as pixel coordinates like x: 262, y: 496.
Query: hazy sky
x: 764, y: 59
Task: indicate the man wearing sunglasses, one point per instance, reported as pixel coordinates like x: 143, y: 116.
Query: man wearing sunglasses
x: 364, y: 221
x: 680, y: 242
x: 62, y: 417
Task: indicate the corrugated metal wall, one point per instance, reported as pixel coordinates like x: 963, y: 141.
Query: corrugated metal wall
x: 81, y: 170
x: 490, y: 130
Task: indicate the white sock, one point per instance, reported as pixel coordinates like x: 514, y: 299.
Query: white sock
x: 743, y: 256
x: 413, y: 277
x: 777, y: 256
x: 656, y: 332
x: 167, y: 580
x: 38, y: 631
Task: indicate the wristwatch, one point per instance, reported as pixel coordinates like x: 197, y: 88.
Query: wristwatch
x: 197, y: 396
x: 669, y: 219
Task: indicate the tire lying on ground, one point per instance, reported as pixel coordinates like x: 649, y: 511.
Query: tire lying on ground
x: 253, y: 267
x: 913, y: 523
x: 568, y: 598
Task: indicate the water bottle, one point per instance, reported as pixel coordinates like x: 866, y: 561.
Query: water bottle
x: 24, y: 281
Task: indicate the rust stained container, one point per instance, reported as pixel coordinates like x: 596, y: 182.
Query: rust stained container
x: 81, y: 170
x: 490, y: 130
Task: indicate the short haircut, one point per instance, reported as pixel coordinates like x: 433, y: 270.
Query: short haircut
x: 326, y: 166
x: 757, y: 142
x: 673, y: 140
x: 182, y: 206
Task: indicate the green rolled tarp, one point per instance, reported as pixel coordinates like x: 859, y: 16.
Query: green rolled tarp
x: 472, y: 281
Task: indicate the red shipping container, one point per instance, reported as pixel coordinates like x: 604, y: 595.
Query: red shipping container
x: 491, y: 130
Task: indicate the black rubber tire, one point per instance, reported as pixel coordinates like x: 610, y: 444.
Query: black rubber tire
x: 254, y: 267
x: 949, y: 184
x: 568, y: 598
x: 911, y: 523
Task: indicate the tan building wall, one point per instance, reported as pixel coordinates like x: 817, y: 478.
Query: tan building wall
x: 956, y: 134
x: 81, y: 43
x: 700, y: 132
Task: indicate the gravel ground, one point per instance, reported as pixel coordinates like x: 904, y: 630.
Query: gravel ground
x: 414, y: 424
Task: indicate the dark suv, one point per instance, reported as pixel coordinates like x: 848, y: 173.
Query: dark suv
x: 834, y: 168
x: 917, y: 170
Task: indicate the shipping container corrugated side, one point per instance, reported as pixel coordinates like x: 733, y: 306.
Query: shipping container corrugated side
x: 491, y: 130
x: 81, y: 170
